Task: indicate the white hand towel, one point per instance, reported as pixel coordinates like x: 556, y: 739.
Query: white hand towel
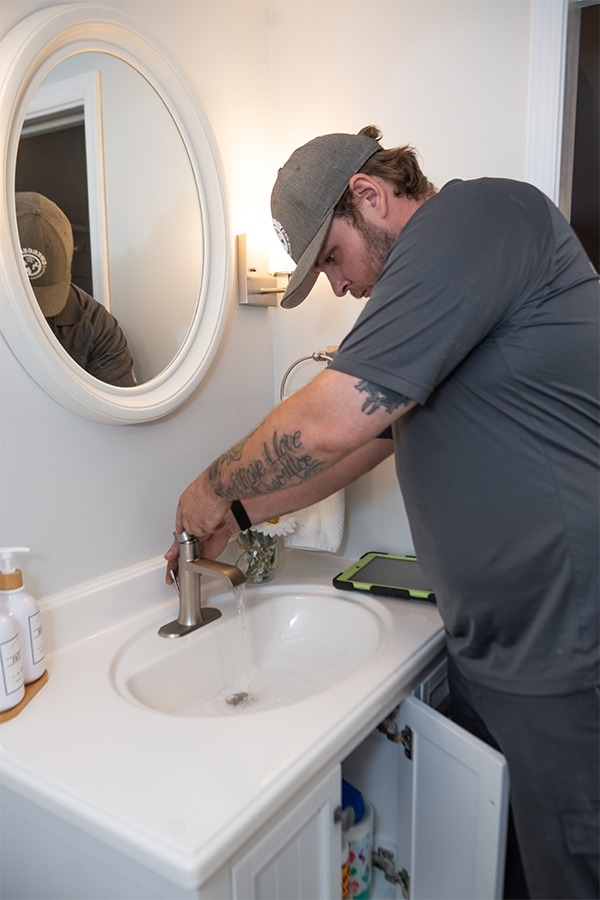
x: 320, y: 526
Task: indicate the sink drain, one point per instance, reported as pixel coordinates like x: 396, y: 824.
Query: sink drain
x: 236, y: 699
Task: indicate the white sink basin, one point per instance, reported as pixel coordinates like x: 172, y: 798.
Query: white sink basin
x: 272, y: 649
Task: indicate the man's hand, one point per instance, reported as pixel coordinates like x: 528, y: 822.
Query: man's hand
x: 211, y: 546
x: 172, y: 558
x: 199, y: 511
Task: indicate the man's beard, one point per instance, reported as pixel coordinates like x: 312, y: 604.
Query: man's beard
x: 378, y: 243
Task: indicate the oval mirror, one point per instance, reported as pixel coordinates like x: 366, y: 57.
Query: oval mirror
x: 151, y: 233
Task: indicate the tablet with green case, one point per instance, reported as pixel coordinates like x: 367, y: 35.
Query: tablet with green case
x: 386, y: 575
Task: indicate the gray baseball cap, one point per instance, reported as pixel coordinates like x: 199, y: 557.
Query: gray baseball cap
x: 307, y: 189
x: 47, y: 249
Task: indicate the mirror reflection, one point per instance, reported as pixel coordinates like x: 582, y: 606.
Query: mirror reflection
x: 99, y: 143
x: 84, y: 327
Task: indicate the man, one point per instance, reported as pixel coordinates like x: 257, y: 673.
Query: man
x: 86, y: 330
x: 479, y: 346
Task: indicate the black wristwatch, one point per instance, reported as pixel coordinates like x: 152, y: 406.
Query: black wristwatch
x: 240, y: 515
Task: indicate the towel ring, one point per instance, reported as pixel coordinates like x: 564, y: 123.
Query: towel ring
x: 318, y: 356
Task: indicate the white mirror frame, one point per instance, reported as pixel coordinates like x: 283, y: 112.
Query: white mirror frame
x: 27, y: 54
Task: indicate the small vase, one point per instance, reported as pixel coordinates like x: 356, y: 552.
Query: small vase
x: 259, y: 557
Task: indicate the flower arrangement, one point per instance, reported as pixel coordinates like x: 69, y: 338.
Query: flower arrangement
x: 260, y: 554
x: 277, y: 527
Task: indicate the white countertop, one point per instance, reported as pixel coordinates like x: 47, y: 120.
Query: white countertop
x: 180, y: 794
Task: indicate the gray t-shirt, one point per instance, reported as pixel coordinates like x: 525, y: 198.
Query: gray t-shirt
x: 94, y: 338
x: 486, y: 314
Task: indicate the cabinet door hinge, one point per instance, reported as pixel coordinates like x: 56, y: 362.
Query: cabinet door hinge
x: 389, y: 727
x: 384, y: 860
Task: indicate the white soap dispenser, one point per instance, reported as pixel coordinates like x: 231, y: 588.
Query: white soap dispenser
x: 12, y: 688
x: 26, y: 613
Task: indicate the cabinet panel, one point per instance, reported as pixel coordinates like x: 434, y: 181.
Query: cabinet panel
x: 297, y: 856
x: 458, y: 788
x: 44, y: 857
x: 441, y: 803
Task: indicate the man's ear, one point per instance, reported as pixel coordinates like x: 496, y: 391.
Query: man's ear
x: 369, y: 194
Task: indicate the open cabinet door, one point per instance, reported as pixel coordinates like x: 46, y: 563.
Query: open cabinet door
x: 454, y: 791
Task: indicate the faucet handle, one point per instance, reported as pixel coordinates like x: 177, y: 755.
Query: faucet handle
x: 182, y: 537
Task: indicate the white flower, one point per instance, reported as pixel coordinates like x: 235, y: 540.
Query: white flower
x: 276, y: 527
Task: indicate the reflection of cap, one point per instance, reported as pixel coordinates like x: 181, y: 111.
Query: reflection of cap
x: 307, y: 189
x: 47, y: 248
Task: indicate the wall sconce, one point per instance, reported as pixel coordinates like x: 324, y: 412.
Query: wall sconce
x: 255, y: 289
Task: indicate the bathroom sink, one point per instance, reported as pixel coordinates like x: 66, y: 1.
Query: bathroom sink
x: 269, y: 649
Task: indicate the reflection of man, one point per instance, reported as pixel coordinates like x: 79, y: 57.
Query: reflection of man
x: 87, y: 331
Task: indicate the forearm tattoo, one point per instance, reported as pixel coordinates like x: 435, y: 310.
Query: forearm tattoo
x: 283, y: 463
x: 379, y: 398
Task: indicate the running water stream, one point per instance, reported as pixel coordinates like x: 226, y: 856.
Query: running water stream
x: 260, y: 686
x: 245, y: 695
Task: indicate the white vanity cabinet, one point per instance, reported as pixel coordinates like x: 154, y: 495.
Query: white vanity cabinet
x: 440, y: 798
x: 105, y: 799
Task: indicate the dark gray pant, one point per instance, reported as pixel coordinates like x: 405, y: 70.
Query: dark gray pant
x: 552, y: 747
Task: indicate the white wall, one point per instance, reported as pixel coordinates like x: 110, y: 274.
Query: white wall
x: 449, y: 76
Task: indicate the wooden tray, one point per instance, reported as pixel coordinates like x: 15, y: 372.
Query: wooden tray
x: 30, y: 691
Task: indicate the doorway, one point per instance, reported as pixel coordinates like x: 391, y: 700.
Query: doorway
x: 52, y: 161
x: 581, y: 162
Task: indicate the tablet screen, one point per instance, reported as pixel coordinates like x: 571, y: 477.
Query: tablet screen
x: 392, y: 573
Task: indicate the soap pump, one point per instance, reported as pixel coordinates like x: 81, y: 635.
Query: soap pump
x: 25, y: 611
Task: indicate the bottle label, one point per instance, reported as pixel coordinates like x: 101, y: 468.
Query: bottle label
x: 36, y: 640
x: 11, y: 665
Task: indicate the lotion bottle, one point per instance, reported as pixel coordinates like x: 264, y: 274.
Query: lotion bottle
x: 12, y: 688
x: 25, y: 612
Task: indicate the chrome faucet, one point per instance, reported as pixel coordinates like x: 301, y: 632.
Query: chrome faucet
x: 192, y: 614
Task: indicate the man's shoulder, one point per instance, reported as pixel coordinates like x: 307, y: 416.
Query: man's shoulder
x: 92, y: 309
x: 85, y: 300
x: 489, y: 186
x: 505, y: 201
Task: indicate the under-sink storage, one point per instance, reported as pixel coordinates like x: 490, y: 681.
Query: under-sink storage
x: 440, y: 799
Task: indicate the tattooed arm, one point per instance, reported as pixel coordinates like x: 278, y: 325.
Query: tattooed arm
x: 267, y: 506
x: 300, y: 440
